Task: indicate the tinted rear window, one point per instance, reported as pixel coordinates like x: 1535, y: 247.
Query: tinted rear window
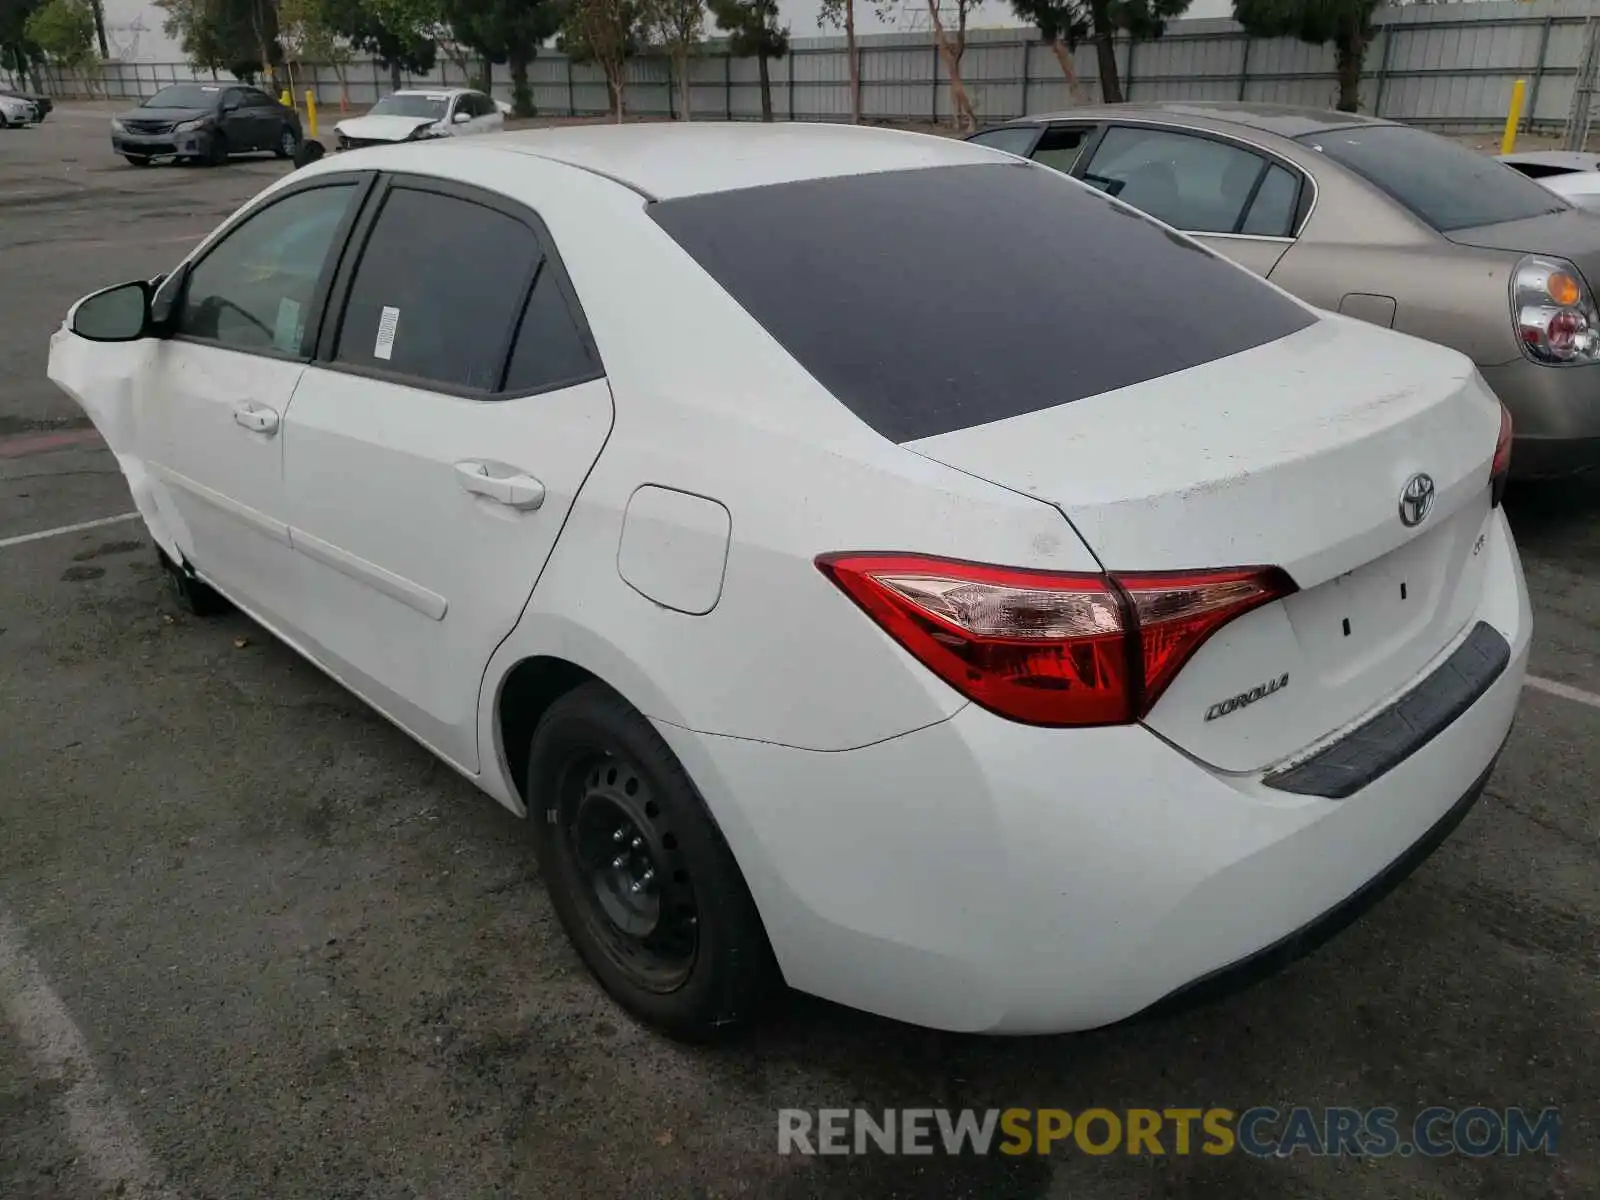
x: 1446, y: 185
x: 938, y: 299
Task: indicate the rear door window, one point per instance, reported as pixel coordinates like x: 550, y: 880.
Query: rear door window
x: 1013, y: 140
x: 1196, y: 184
x: 1272, y: 211
x: 439, y: 291
x: 938, y: 299
x: 1060, y: 146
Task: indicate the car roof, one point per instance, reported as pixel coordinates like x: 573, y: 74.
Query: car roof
x: 1285, y: 120
x: 665, y: 161
x: 438, y: 91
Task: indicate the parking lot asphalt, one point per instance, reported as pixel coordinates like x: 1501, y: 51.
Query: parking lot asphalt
x: 254, y: 942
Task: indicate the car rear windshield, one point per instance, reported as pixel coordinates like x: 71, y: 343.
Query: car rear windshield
x: 185, y: 95
x: 942, y: 298
x: 1446, y: 185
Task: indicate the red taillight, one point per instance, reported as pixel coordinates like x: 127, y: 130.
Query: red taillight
x: 1501, y: 470
x: 1046, y: 647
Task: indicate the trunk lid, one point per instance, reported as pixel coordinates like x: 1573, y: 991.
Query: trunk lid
x: 1572, y: 234
x: 1293, y: 454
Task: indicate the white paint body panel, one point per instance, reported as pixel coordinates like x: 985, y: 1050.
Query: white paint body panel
x: 1580, y: 189
x: 412, y: 581
x: 850, y: 782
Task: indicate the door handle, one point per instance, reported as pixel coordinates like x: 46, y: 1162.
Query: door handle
x: 257, y: 418
x: 515, y: 489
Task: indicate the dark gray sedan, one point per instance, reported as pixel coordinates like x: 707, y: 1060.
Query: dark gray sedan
x: 207, y: 122
x: 1377, y: 220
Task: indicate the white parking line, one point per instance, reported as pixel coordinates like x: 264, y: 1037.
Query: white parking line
x: 1564, y: 690
x: 59, y: 530
x: 100, y: 1129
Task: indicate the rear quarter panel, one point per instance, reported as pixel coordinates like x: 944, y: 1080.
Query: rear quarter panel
x: 1358, y: 240
x: 707, y: 403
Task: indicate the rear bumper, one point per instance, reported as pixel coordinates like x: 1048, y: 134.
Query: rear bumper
x: 1556, y: 415
x: 985, y: 876
x: 1269, y: 960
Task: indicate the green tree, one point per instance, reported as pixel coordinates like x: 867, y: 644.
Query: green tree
x: 65, y: 31
x: 677, y: 26
x: 753, y: 32
x: 400, y: 34
x: 952, y: 48
x: 238, y: 36
x: 307, y: 30
x: 1345, y: 23
x: 841, y: 14
x: 1065, y: 23
x: 605, y: 32
x: 19, y: 53
x: 506, y: 31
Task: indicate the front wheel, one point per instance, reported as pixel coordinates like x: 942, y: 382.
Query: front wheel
x: 218, y: 150
x: 193, y: 596
x: 137, y: 160
x: 288, y: 143
x: 638, y: 873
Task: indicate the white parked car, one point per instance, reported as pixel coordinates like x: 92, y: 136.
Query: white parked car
x: 1571, y: 174
x: 420, y: 114
x: 15, y: 111
x: 1008, y: 638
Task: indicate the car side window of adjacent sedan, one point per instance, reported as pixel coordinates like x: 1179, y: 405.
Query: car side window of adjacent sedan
x: 253, y: 291
x: 444, y: 287
x: 1197, y: 184
x: 1013, y: 139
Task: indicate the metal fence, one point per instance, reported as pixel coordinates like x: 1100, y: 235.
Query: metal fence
x: 1447, y: 65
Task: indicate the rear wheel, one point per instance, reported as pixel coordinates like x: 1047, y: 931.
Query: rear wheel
x: 137, y: 160
x: 638, y: 873
x: 193, y: 597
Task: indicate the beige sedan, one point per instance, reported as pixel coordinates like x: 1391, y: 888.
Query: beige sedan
x: 1374, y: 219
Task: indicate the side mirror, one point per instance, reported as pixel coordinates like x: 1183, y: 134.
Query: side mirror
x: 117, y: 314
x: 461, y: 117
x: 231, y: 104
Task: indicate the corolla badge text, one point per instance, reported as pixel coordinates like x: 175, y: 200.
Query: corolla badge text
x: 1233, y: 704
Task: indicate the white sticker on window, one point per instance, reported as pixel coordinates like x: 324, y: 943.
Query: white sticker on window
x: 384, y: 347
x: 287, y: 331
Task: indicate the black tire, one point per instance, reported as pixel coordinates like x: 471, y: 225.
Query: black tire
x: 194, y: 597
x: 601, y: 781
x: 288, y: 143
x: 218, y: 150
x: 137, y: 160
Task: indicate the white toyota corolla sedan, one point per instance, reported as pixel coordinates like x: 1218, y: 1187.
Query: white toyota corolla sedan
x: 872, y: 562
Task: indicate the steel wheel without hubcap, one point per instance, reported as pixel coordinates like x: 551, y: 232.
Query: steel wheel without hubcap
x: 637, y: 895
x: 638, y: 872
x: 288, y: 144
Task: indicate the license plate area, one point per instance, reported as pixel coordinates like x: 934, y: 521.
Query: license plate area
x: 1349, y: 625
